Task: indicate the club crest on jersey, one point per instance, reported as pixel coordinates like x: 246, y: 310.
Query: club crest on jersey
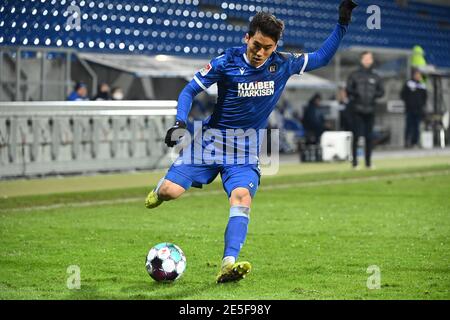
x: 273, y: 68
x: 205, y: 70
x: 256, y: 89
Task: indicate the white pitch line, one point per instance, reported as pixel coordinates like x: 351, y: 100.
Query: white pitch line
x: 215, y: 192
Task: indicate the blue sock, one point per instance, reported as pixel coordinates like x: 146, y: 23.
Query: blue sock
x: 236, y: 230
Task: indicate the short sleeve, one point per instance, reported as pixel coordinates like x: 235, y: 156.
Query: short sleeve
x: 210, y: 74
x: 297, y: 63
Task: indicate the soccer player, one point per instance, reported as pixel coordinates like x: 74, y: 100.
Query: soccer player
x: 250, y: 81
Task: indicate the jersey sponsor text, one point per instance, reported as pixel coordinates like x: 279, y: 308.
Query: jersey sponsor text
x: 256, y: 89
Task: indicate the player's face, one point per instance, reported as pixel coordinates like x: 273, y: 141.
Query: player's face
x: 82, y: 92
x: 417, y: 76
x: 259, y: 48
x: 367, y: 60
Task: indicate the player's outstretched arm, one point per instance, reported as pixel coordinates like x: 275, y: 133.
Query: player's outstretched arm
x: 323, y: 56
x: 185, y: 99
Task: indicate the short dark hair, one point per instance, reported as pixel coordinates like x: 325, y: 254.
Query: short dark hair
x: 267, y: 24
x: 414, y: 71
x: 364, y: 53
x: 79, y: 85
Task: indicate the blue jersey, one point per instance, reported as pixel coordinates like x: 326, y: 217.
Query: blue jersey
x: 247, y: 94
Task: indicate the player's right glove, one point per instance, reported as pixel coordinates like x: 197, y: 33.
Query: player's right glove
x: 175, y: 133
x: 345, y: 11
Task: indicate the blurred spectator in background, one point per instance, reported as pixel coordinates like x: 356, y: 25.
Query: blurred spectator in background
x: 276, y: 121
x: 418, y: 62
x: 103, y: 92
x: 341, y: 103
x: 117, y: 93
x: 294, y: 125
x: 364, y: 86
x: 284, y: 119
x: 414, y: 94
x: 289, y: 118
x: 79, y: 93
x: 313, y: 119
x: 418, y: 58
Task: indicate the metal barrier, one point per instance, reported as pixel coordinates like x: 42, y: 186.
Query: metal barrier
x: 42, y: 138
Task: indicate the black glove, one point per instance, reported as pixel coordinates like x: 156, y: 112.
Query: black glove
x: 179, y: 125
x: 345, y: 11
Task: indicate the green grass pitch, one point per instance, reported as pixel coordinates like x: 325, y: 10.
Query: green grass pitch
x: 313, y: 233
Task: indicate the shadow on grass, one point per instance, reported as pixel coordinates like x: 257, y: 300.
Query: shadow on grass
x: 165, y: 290
x: 142, y: 291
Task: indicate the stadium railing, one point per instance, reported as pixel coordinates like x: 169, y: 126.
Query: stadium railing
x: 62, y: 137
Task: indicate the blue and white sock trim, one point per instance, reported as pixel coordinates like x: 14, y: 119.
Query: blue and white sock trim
x: 159, y: 185
x: 240, y: 211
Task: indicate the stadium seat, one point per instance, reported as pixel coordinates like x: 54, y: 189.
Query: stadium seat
x: 187, y: 27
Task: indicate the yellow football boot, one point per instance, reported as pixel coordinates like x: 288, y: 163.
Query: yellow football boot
x: 152, y: 200
x: 233, y: 272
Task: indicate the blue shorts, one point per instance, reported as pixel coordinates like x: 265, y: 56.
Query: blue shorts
x: 233, y: 176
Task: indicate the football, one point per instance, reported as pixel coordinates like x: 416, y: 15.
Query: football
x: 165, y: 262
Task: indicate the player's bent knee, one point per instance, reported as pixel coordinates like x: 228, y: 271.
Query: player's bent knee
x: 241, y: 196
x: 170, y: 191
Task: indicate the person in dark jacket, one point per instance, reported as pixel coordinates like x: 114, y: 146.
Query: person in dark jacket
x: 103, y: 92
x: 345, y: 116
x: 313, y: 119
x: 414, y: 94
x: 364, y: 86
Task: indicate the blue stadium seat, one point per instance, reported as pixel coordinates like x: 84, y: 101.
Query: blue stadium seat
x: 203, y: 28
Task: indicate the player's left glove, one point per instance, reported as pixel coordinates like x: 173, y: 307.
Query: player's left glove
x: 345, y: 11
x: 176, y: 131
